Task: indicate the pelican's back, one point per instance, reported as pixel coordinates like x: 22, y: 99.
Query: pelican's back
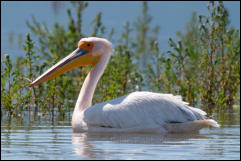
x: 141, y: 109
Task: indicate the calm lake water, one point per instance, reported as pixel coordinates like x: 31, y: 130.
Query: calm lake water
x: 41, y: 140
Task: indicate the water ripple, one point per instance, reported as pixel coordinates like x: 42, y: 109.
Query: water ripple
x: 58, y: 142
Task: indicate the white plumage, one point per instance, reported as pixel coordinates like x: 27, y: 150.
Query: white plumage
x: 143, y: 112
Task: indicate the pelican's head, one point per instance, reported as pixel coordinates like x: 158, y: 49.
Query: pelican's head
x: 88, y: 52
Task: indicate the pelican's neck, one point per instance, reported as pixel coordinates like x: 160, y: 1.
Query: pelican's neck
x: 87, y: 91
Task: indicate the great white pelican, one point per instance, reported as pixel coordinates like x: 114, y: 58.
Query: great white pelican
x: 134, y: 112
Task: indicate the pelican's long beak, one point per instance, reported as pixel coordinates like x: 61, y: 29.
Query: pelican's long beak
x: 77, y: 58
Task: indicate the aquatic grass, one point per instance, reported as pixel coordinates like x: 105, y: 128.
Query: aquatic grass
x: 202, y: 63
x: 203, y: 66
x: 221, y: 58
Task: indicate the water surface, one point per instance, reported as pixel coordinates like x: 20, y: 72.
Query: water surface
x: 41, y: 140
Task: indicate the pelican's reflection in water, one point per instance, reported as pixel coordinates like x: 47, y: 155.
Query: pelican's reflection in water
x: 82, y: 146
x: 99, y: 145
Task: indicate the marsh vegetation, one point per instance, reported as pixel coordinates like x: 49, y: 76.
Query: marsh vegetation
x: 203, y: 66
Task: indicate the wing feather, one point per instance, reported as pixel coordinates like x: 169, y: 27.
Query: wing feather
x: 141, y: 109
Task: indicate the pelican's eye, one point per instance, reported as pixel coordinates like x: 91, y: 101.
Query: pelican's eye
x: 86, y: 46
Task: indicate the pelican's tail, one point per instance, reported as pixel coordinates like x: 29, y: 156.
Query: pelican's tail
x: 208, y: 122
x: 190, y: 126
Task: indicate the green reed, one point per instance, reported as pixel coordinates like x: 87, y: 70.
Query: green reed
x: 203, y: 65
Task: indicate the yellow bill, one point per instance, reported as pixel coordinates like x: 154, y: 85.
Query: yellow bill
x: 82, y: 56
